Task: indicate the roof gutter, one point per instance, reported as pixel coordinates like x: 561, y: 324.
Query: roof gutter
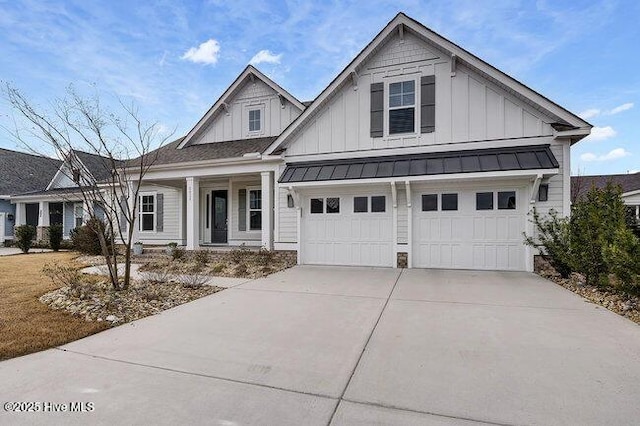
x: 574, y: 135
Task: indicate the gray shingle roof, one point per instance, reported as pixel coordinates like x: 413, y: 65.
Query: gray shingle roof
x: 98, y: 166
x: 21, y: 172
x: 479, y: 160
x: 168, y: 154
x: 581, y: 184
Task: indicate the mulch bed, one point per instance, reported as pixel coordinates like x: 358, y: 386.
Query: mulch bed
x: 614, y: 299
x: 97, y: 301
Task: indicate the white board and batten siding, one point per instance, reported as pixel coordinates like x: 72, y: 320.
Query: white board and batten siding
x: 469, y: 108
x: 172, y: 216
x: 234, y: 125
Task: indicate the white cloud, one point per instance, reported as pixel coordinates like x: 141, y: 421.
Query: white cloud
x: 601, y: 133
x: 589, y: 113
x: 265, y: 56
x: 621, y: 108
x: 206, y: 53
x: 614, y: 154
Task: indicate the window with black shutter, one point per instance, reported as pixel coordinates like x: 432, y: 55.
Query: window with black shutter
x: 402, y: 107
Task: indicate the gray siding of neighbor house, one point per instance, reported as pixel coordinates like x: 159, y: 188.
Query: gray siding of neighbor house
x: 8, y: 208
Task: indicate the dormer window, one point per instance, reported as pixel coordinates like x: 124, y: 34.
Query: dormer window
x: 254, y: 120
x: 75, y: 175
x: 402, y: 107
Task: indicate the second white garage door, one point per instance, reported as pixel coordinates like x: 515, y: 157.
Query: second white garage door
x: 480, y: 228
x: 348, y: 227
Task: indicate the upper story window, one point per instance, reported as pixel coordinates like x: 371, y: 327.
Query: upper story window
x: 254, y: 120
x: 402, y: 107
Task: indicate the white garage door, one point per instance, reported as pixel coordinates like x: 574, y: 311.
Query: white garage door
x: 469, y: 229
x: 347, y: 228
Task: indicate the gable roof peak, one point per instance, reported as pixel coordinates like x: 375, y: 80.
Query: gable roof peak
x: 560, y: 114
x: 249, y: 72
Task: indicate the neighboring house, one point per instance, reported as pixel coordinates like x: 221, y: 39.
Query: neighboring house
x: 60, y: 201
x: 418, y: 153
x: 21, y: 172
x: 630, y: 184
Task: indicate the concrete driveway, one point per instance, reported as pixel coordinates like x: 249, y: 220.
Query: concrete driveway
x: 350, y: 346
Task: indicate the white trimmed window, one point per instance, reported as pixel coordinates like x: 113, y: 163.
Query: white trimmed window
x: 402, y: 107
x: 78, y: 215
x: 147, y: 213
x: 254, y: 211
x: 255, y: 120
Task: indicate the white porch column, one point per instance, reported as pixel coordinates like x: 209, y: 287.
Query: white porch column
x: 21, y: 214
x: 43, y: 214
x: 193, y: 213
x: 267, y: 210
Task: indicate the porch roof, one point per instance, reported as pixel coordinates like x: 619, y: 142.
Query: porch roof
x: 535, y: 157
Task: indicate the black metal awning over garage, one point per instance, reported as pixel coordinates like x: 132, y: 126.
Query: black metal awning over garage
x: 535, y: 157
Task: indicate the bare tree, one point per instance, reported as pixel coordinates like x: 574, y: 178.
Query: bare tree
x: 126, y: 145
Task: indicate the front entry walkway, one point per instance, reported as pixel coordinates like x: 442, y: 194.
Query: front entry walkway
x: 344, y: 346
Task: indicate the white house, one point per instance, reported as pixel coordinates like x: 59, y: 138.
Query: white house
x: 418, y: 153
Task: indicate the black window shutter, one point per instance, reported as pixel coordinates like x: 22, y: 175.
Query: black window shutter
x: 242, y: 210
x: 428, y: 104
x: 377, y: 109
x: 123, y: 215
x: 160, y: 213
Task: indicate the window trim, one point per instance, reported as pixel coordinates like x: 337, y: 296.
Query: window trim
x: 259, y: 121
x: 75, y: 215
x: 252, y: 107
x: 153, y: 194
x: 249, y: 209
x: 416, y: 102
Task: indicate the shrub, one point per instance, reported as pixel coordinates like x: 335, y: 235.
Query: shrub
x: 178, y: 253
x: 24, y: 235
x: 85, y: 238
x: 193, y: 280
x: 623, y: 258
x: 201, y: 256
x: 596, y: 220
x: 62, y: 274
x: 157, y: 275
x: 55, y: 236
x: 217, y: 268
x: 553, y: 240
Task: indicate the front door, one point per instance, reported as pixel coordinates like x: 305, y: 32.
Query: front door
x: 219, y: 209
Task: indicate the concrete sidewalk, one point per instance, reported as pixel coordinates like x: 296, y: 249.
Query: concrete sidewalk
x: 345, y: 346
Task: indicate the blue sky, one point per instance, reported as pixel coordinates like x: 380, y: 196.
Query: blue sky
x: 175, y: 58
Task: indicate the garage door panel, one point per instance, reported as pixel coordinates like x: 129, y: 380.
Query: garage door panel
x: 468, y: 238
x: 347, y: 238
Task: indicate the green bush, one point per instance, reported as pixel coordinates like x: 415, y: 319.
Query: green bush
x: 85, y: 238
x: 553, y: 240
x: 595, y: 242
x: 623, y: 258
x: 55, y: 236
x: 596, y: 220
x: 178, y: 253
x: 24, y: 235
